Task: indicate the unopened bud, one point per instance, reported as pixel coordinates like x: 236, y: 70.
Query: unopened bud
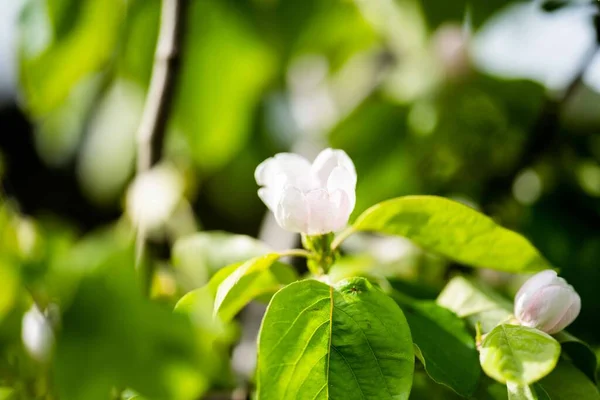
x: 547, y: 302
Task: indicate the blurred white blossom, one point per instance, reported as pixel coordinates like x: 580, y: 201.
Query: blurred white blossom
x: 37, y: 334
x: 312, y: 199
x: 153, y: 197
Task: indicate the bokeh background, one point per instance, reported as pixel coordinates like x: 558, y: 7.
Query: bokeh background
x: 494, y: 103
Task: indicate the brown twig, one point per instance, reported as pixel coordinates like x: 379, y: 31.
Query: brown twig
x: 151, y: 132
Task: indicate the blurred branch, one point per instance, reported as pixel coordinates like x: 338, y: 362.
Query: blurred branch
x: 545, y: 132
x: 151, y: 132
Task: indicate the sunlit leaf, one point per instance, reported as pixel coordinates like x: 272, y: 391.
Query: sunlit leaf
x: 453, y: 230
x: 199, y: 256
x: 475, y: 303
x: 513, y: 353
x: 251, y: 279
x: 349, y: 341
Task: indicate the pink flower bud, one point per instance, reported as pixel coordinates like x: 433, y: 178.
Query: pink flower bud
x: 547, y: 302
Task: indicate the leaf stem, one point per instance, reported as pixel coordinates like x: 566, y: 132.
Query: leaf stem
x: 341, y: 237
x: 295, y: 253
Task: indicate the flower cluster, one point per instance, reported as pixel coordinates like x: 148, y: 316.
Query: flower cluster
x: 315, y: 198
x: 318, y: 198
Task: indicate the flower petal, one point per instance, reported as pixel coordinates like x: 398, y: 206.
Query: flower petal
x: 321, y: 212
x: 546, y: 307
x: 532, y: 285
x: 343, y: 207
x: 327, y: 160
x: 270, y: 197
x: 342, y: 179
x: 292, y: 211
x: 292, y: 166
x: 568, y: 316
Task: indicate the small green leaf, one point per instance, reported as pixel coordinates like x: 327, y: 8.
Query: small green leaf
x: 580, y: 354
x: 251, y: 279
x: 567, y: 382
x: 186, y: 303
x: 446, y: 349
x: 475, y: 303
x: 453, y: 230
x: 199, y: 256
x: 513, y: 353
x: 347, y: 342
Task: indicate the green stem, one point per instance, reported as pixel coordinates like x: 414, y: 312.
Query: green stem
x: 295, y: 253
x: 518, y: 391
x: 322, y: 255
x: 341, y: 237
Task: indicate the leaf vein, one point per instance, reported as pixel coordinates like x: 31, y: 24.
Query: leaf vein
x: 293, y: 323
x: 351, y: 370
x: 372, y: 351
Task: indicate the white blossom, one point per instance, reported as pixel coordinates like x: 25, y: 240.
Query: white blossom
x: 153, y: 196
x: 315, y: 198
x: 37, y: 334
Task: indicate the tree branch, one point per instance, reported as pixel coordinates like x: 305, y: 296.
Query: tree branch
x: 151, y: 132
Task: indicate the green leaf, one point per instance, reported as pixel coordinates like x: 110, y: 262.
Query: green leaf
x: 197, y: 257
x: 540, y: 392
x: 189, y: 299
x: 475, y: 303
x: 567, y: 382
x: 580, y: 354
x: 453, y: 230
x: 446, y: 349
x: 253, y: 278
x: 349, y: 341
x: 517, y: 354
